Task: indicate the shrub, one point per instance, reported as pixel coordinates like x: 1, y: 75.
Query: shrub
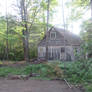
x: 79, y: 71
x: 44, y: 70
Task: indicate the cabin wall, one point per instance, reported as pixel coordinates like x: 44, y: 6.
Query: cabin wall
x: 58, y: 41
x: 54, y: 53
x: 41, y: 52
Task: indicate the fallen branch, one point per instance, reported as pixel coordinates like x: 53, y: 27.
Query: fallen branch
x: 67, y: 83
x: 24, y: 77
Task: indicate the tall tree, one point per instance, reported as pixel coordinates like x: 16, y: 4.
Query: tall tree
x: 91, y: 8
x: 27, y: 8
x: 24, y: 29
x: 23, y: 7
x: 7, y: 46
x: 48, y: 5
x: 64, y: 29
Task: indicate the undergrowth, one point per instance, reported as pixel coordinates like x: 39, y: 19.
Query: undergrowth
x: 47, y: 70
x: 79, y: 72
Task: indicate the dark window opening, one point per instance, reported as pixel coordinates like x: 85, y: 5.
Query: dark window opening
x: 68, y: 57
x: 76, y: 50
x: 53, y: 35
x: 62, y: 49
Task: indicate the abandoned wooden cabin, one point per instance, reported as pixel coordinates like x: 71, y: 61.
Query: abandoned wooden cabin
x: 62, y: 45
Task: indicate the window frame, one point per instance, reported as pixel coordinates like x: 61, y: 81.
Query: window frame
x: 51, y: 34
x: 62, y: 50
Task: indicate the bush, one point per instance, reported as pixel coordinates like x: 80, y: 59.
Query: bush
x: 79, y: 71
x: 5, y: 71
x: 88, y: 88
x: 45, y: 70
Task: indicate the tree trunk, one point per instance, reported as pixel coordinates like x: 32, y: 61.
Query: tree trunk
x: 91, y: 8
x: 7, y: 47
x: 47, y: 29
x: 26, y: 45
x: 25, y: 30
x: 64, y: 30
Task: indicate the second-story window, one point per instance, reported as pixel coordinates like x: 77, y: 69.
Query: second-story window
x: 53, y: 35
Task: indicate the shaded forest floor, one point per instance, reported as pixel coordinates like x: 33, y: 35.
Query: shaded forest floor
x: 35, y: 86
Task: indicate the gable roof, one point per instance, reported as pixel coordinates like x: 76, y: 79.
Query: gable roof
x: 75, y: 39
x: 71, y: 39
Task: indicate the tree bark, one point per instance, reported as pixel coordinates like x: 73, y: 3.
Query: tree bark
x: 26, y: 44
x: 91, y: 8
x: 64, y: 29
x: 23, y: 7
x: 7, y: 45
x: 47, y: 29
x: 25, y: 30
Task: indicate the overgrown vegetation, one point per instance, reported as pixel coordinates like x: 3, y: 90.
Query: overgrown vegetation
x: 47, y: 70
x: 78, y: 72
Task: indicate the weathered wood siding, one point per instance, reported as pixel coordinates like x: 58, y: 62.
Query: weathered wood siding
x: 72, y: 44
x: 41, y: 52
x: 57, y: 42
x: 54, y: 53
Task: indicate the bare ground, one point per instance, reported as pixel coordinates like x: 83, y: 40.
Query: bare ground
x: 35, y: 86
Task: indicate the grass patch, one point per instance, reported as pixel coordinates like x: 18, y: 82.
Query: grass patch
x: 47, y: 70
x: 5, y: 71
x: 44, y: 71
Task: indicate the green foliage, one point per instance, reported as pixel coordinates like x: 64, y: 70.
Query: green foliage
x: 78, y: 9
x: 87, y: 37
x: 81, y: 3
x: 48, y: 70
x: 88, y: 87
x: 80, y: 71
x: 5, y: 71
x: 36, y: 28
x: 45, y: 70
x: 16, y: 54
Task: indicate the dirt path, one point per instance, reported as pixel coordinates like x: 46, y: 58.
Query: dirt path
x: 34, y: 86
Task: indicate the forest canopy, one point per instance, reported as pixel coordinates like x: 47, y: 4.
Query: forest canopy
x: 26, y: 27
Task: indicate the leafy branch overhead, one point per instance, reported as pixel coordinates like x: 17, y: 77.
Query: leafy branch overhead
x: 78, y: 8
x: 30, y: 17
